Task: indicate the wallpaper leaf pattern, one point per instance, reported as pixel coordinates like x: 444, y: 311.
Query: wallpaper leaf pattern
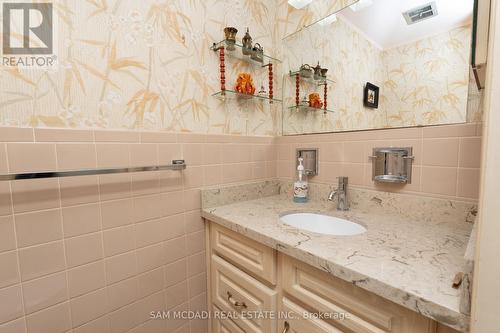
x: 145, y: 65
x: 421, y: 83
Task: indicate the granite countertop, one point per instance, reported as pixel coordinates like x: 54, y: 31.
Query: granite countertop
x: 410, y: 261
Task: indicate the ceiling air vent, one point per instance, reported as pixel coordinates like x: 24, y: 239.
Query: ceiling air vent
x: 420, y: 13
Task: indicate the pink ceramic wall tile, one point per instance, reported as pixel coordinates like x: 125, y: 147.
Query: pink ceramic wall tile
x: 440, y: 152
x: 30, y: 157
x: 117, y: 136
x: 74, y: 156
x: 212, y: 175
x: 193, y: 152
x: 113, y: 155
x: 38, y: 227
x: 30, y: 195
x: 45, y: 292
x: 85, y: 279
x: 7, y: 234
x: 117, y: 186
x: 212, y: 153
x: 144, y: 183
x: 468, y: 183
x: 5, y: 199
x: 236, y: 153
x: 63, y: 135
x: 191, y: 138
x: 56, y: 319
x: 79, y: 190
x: 3, y: 158
x: 439, y: 180
x: 83, y: 249
x: 16, y: 134
x: 9, y: 274
x: 470, y: 153
x: 354, y: 152
x: 41, y: 260
x: 143, y: 154
x: 158, y: 137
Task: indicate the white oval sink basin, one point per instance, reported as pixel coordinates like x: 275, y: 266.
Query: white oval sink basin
x: 323, y: 224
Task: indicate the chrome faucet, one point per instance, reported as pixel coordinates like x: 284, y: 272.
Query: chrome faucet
x: 341, y: 194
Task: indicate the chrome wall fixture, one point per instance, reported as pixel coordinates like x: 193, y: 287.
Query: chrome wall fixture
x: 176, y: 165
x: 392, y: 165
x: 311, y: 160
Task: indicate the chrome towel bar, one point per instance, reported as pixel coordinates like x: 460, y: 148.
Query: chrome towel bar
x: 176, y: 165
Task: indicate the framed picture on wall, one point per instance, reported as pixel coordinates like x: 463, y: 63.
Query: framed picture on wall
x: 371, y: 95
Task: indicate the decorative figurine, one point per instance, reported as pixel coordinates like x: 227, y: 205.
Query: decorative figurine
x: 244, y: 84
x: 323, y: 72
x: 317, y: 72
x: 247, y: 44
x: 257, y: 53
x: 315, y: 101
x: 230, y: 34
x: 306, y: 71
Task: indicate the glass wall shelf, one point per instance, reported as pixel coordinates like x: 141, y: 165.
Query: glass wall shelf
x: 237, y: 53
x: 307, y: 108
x: 311, y: 79
x: 231, y: 94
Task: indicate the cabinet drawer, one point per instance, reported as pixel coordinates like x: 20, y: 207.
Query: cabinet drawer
x: 245, y: 253
x: 364, y: 312
x: 298, y: 323
x: 237, y: 292
x: 225, y: 326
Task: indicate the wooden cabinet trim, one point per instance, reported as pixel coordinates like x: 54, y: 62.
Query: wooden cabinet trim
x: 236, y: 291
x: 254, y: 258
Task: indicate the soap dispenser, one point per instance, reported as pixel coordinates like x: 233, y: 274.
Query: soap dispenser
x: 300, y: 187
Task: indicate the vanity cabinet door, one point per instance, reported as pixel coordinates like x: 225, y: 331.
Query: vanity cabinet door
x: 254, y: 258
x: 238, y: 293
x: 364, y: 312
x: 299, y: 320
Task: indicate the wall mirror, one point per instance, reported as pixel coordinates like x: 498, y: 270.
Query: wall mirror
x: 381, y: 64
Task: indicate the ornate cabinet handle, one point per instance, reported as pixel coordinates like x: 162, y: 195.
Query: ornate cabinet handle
x: 235, y: 303
x: 286, y: 327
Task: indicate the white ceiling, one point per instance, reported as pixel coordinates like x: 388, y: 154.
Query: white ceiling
x: 384, y: 25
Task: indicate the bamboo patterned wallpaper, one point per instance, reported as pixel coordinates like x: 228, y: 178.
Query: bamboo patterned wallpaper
x: 147, y: 65
x: 426, y: 82
x: 421, y: 83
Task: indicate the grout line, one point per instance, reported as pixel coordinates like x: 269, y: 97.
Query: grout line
x: 101, y: 231
x: 20, y: 281
x: 64, y: 244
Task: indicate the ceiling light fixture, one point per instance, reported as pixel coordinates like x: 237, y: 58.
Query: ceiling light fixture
x: 299, y: 4
x: 360, y: 5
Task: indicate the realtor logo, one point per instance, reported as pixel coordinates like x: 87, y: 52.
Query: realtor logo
x: 28, y: 34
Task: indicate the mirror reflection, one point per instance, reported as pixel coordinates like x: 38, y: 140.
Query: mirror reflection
x: 380, y: 64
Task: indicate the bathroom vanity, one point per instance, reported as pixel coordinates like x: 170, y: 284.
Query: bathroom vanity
x: 395, y: 277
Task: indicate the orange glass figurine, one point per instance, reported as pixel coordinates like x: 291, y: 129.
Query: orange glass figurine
x: 315, y: 101
x: 244, y: 84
